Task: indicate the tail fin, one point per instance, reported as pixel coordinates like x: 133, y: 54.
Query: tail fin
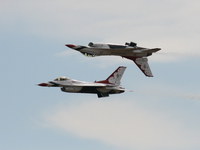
x: 142, y: 63
x: 115, y: 77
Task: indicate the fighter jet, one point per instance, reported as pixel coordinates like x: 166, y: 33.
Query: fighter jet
x: 102, y: 88
x: 129, y: 50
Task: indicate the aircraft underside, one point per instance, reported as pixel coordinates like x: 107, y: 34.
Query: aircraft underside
x: 101, y: 92
x: 114, y: 53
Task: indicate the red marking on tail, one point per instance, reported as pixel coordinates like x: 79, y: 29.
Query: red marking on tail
x: 103, y: 81
x: 115, y: 77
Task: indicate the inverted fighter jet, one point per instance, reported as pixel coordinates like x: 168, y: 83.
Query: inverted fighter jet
x: 102, y: 88
x: 129, y: 50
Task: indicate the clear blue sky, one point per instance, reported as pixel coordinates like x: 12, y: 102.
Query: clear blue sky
x: 161, y: 113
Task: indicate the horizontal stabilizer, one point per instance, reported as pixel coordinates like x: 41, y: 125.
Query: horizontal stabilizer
x: 153, y: 50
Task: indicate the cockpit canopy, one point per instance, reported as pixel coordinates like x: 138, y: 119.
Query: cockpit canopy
x: 61, y: 79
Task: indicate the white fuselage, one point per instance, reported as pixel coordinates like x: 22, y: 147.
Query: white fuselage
x: 75, y: 86
x: 99, y: 49
x: 102, y: 88
x: 117, y: 52
x: 130, y: 51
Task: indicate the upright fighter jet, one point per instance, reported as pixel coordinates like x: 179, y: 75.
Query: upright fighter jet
x: 102, y: 88
x: 129, y: 50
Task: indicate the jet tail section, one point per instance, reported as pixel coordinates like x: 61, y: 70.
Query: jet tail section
x: 153, y: 50
x: 115, y: 77
x: 142, y: 63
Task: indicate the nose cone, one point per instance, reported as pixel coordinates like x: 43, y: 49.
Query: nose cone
x: 157, y: 49
x: 70, y: 45
x: 42, y: 84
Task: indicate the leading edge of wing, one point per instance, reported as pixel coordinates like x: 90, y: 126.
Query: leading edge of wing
x: 87, y: 85
x: 142, y: 63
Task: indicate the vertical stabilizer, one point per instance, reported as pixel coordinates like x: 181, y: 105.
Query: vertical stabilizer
x: 115, y: 77
x: 142, y: 63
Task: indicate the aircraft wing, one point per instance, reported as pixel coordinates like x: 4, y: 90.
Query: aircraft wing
x: 77, y: 84
x: 142, y: 63
x: 93, y: 85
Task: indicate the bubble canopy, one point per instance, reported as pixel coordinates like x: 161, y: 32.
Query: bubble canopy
x: 61, y: 79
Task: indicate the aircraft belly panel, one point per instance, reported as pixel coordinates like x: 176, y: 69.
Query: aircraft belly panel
x: 96, y: 90
x: 88, y: 90
x: 103, y: 90
x: 73, y: 89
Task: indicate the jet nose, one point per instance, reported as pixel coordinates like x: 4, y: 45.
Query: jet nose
x: 158, y: 49
x: 70, y: 45
x: 42, y: 84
